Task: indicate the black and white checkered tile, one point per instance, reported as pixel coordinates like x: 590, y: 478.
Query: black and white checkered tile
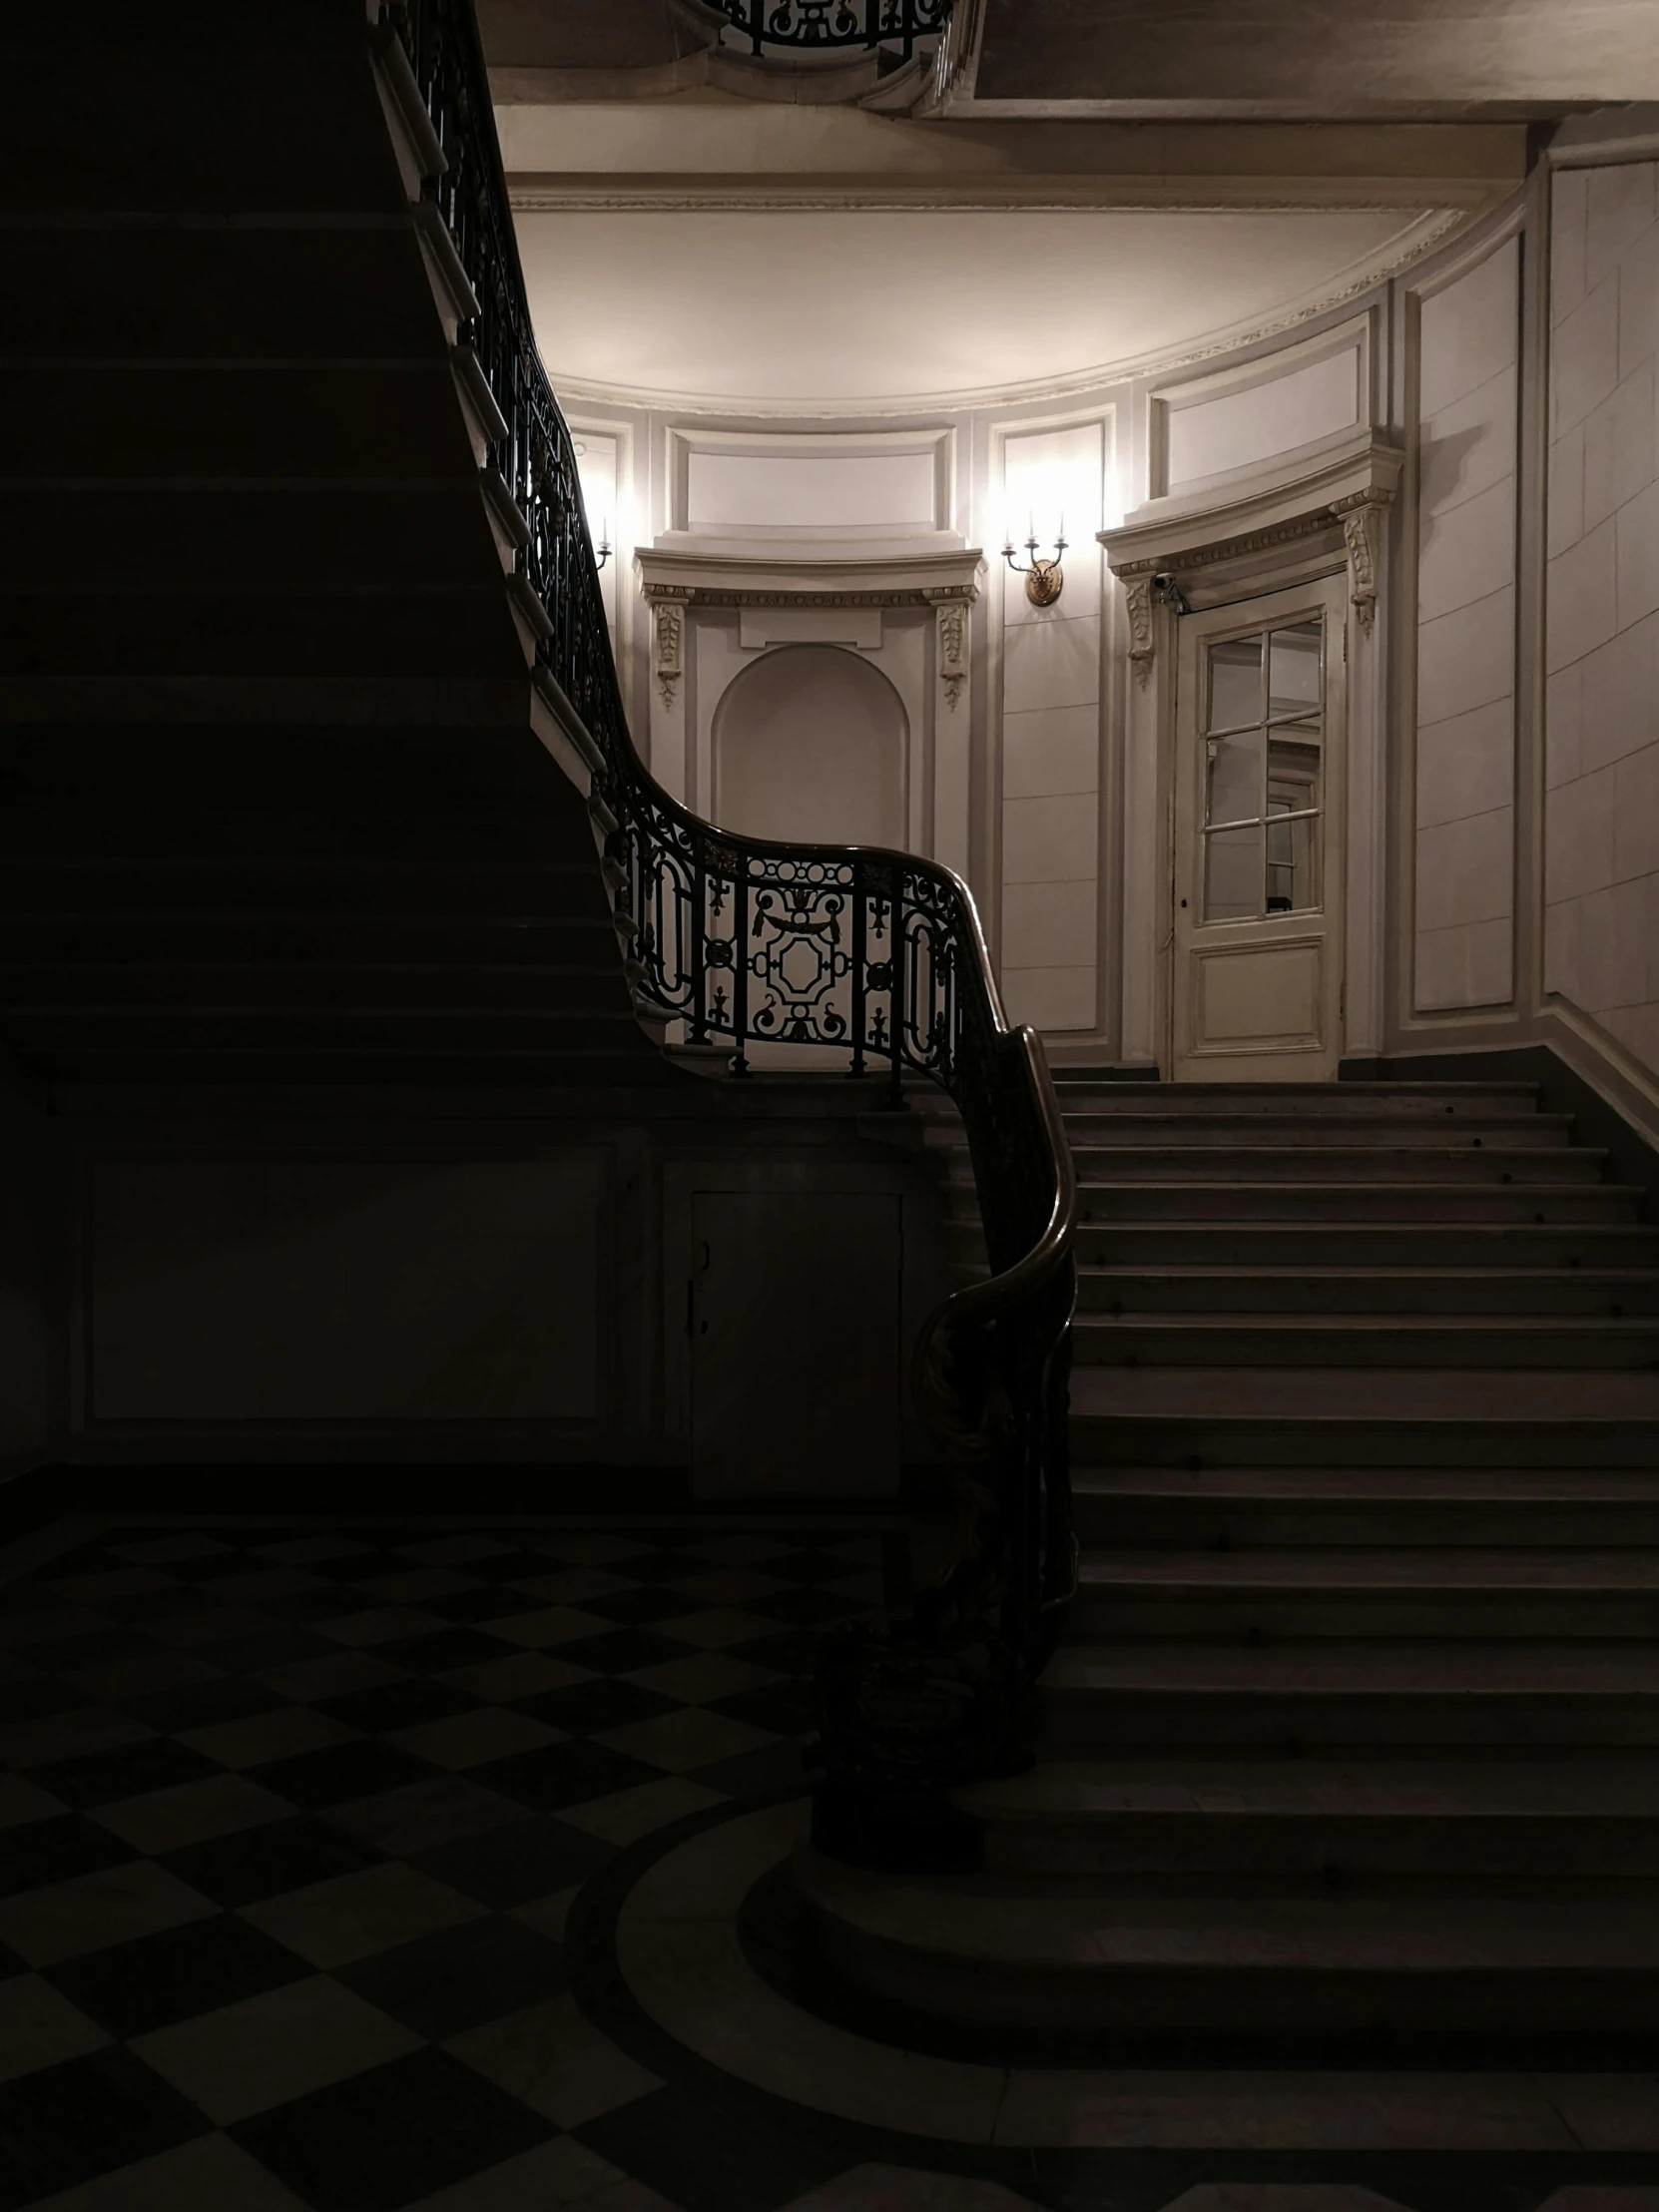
x: 291, y: 1820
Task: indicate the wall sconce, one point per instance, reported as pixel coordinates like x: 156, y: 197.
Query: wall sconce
x: 1045, y: 579
x: 602, y: 551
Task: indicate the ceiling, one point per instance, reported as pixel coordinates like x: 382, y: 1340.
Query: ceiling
x: 858, y: 311
x: 1317, y: 57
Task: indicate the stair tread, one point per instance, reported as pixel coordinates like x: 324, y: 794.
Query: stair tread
x: 1382, y: 1789
x: 1425, y: 1568
x: 1099, y: 1271
x: 1048, y: 1922
x: 1384, y: 1669
x: 1342, y: 1486
x: 1397, y: 1189
x: 1313, y: 1094
x: 1199, y: 1324
x: 1498, y: 1394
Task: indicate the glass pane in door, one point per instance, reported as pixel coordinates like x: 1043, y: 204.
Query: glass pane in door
x: 1233, y: 791
x: 1293, y: 771
x: 1294, y: 671
x: 1293, y: 864
x: 1234, y: 684
x: 1233, y: 873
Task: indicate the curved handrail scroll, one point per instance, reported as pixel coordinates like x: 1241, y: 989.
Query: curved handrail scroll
x: 741, y: 940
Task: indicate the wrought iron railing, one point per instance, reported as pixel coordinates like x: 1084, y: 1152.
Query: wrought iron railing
x: 821, y: 26
x: 878, y: 953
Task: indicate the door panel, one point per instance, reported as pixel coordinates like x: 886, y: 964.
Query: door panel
x: 1267, y: 997
x: 1261, y: 720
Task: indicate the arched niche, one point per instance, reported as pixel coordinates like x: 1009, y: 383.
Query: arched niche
x: 811, y: 742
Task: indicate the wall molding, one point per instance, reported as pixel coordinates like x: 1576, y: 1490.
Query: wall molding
x: 1356, y: 335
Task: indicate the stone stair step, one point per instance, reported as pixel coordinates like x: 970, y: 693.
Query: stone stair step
x: 1348, y: 1342
x: 1263, y: 1595
x: 1238, y: 1508
x: 1485, y: 1398
x: 1325, y: 1820
x: 1003, y: 1948
x: 1394, y: 1201
x: 1521, y: 1127
x: 1304, y: 1246
x: 1077, y: 1093
x: 1613, y: 1292
x: 1515, y: 1698
x: 1227, y: 1164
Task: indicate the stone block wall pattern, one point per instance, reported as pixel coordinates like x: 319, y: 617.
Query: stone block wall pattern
x: 1467, y: 396
x: 1601, y: 823
x: 1051, y: 713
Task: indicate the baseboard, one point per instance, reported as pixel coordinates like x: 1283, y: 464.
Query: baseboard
x: 1111, y: 1071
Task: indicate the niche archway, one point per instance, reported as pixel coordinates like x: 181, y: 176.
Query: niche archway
x: 811, y: 742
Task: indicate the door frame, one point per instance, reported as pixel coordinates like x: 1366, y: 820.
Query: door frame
x: 1270, y: 602
x: 1321, y: 510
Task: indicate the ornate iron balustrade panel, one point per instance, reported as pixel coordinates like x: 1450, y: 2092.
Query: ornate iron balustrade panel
x: 824, y: 24
x: 879, y: 954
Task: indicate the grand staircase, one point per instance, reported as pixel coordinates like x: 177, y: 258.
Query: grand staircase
x: 1354, y: 1725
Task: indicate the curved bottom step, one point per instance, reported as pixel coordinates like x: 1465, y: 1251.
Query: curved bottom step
x: 1002, y: 1952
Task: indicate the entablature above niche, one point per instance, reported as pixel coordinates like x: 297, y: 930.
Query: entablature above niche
x: 676, y: 583
x: 744, y: 580
x: 1336, y: 497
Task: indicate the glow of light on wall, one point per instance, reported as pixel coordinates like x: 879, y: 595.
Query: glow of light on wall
x: 1049, y: 495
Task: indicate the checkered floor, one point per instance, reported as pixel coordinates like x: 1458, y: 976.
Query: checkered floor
x: 291, y: 1822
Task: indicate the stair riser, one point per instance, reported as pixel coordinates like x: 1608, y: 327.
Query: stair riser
x: 1208, y: 1101
x: 1228, y: 2001
x: 1113, y: 1244
x: 1519, y: 1203
x: 1201, y: 1616
x: 1558, y: 1292
x: 1220, y: 1726
x: 1299, y: 1164
x: 1201, y: 1526
x: 1175, y: 1345
x: 1315, y: 1132
x: 1329, y: 1848
x: 1136, y: 1442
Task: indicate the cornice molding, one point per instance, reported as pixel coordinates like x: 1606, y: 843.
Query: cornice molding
x: 1420, y: 239
x: 741, y: 580
x: 557, y: 193
x: 1347, y: 488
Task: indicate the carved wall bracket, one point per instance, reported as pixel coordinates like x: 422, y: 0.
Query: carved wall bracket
x: 667, y: 630
x: 1362, y: 518
x: 1142, y: 642
x: 954, y: 602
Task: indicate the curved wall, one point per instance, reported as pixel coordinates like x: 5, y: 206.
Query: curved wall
x: 1499, y: 892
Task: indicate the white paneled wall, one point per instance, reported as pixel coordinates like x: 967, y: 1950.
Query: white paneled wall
x: 1270, y: 414
x: 1051, y: 713
x: 1601, y: 854
x: 1467, y: 396
x: 598, y: 467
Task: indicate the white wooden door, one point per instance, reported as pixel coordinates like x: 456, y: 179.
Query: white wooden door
x: 1261, y: 718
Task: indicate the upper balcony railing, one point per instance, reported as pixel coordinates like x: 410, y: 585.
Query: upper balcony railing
x: 823, y: 26
x: 880, y: 953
